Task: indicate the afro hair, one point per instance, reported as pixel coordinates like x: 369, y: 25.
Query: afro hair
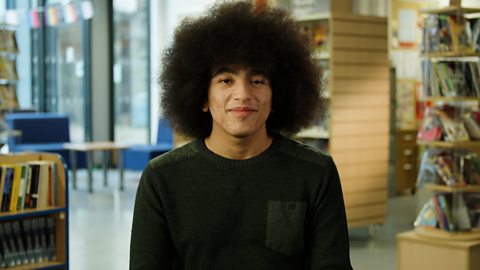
x: 236, y: 33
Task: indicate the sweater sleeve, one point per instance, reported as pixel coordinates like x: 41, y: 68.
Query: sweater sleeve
x: 329, y: 246
x: 150, y: 246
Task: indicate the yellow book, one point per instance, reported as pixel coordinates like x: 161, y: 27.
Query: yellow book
x: 17, y: 175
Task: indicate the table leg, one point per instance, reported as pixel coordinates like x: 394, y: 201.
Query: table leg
x: 105, y: 167
x: 73, y: 163
x: 120, y: 168
x: 90, y: 170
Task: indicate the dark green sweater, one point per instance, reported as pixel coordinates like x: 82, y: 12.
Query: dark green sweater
x: 282, y: 209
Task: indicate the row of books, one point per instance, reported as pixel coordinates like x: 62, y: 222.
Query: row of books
x: 8, y: 41
x: 449, y: 123
x: 450, y: 212
x: 8, y: 97
x: 450, y: 33
x: 448, y: 167
x: 29, y: 185
x: 8, y: 69
x: 451, y: 78
x: 27, y: 241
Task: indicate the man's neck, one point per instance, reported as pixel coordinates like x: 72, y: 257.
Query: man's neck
x: 238, y: 148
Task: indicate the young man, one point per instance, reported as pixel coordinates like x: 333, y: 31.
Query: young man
x: 241, y: 195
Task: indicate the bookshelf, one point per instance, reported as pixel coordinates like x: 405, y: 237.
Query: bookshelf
x: 49, y: 250
x: 353, y: 50
x: 447, y: 228
x: 8, y: 69
x: 451, y: 84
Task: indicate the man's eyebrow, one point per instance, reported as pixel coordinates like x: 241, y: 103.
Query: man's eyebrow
x: 224, y: 70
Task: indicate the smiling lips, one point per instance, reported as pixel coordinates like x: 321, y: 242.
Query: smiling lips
x: 242, y: 111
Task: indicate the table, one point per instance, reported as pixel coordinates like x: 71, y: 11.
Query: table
x: 89, y: 148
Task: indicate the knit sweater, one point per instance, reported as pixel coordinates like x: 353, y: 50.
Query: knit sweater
x: 283, y: 209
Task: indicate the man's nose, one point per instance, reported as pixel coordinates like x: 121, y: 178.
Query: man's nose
x: 242, y: 90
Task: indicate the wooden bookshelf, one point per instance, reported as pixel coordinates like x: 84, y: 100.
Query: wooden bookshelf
x: 59, y: 212
x: 358, y: 108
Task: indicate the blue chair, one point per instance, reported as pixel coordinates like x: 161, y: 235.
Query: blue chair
x: 136, y: 157
x: 41, y: 132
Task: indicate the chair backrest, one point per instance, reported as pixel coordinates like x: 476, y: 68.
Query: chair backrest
x: 164, y: 132
x: 38, y: 128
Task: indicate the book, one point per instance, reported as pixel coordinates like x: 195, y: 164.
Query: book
x: 52, y: 252
x: 7, y: 227
x: 443, y: 167
x: 17, y: 175
x: 430, y: 129
x: 7, y: 188
x: 444, y: 37
x: 427, y: 172
x: 8, y: 259
x: 454, y: 130
x: 34, y: 183
x: 440, y: 208
x: 427, y: 216
x: 18, y: 234
x: 472, y: 127
x: 37, y: 245
x: 22, y: 188
x: 26, y: 225
x: 44, y: 182
x: 42, y: 231
x: 460, y: 35
x: 460, y: 213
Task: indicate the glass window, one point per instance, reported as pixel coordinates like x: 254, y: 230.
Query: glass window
x: 59, y: 80
x: 131, y: 71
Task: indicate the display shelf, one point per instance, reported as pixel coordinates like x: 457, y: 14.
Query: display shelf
x: 451, y: 85
x: 452, y: 189
x: 450, y: 99
x: 449, y: 54
x: 451, y: 10
x: 451, y: 145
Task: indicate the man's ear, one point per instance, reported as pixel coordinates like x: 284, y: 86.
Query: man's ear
x: 205, y: 106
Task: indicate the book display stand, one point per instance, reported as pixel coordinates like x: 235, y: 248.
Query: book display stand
x: 447, y: 228
x: 34, y: 212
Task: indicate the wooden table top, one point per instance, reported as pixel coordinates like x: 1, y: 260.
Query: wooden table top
x: 92, y: 146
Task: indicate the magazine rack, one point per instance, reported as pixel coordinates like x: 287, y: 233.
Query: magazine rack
x: 450, y: 131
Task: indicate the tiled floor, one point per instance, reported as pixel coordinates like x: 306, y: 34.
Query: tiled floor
x: 100, y: 227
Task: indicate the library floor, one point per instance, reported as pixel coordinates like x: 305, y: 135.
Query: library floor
x: 100, y: 227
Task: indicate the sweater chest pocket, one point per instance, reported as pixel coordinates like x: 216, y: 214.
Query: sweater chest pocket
x: 285, y: 226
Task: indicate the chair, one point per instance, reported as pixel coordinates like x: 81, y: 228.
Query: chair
x: 136, y: 157
x: 41, y: 132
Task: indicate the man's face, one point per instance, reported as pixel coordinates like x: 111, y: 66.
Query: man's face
x: 240, y: 101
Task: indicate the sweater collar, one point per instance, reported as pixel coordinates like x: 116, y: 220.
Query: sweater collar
x: 200, y: 147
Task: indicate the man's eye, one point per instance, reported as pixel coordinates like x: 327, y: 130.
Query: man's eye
x: 225, y: 81
x: 256, y: 82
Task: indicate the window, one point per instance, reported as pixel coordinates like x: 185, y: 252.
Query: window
x: 131, y: 73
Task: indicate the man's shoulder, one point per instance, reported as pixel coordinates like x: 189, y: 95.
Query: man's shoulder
x: 304, y: 152
x: 174, y: 156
